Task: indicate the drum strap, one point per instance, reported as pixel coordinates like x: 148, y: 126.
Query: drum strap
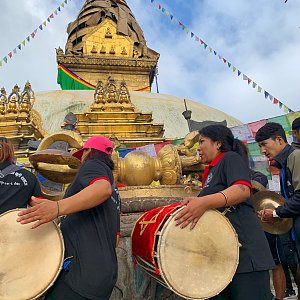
x: 8, y: 170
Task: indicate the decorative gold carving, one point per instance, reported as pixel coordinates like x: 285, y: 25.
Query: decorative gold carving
x: 124, y: 52
x: 13, y: 100
x: 111, y: 91
x: 3, y: 101
x: 103, y: 50
x: 94, y: 50
x: 27, y: 99
x: 138, y: 168
x: 108, y: 34
x: 124, y: 96
x: 125, y: 56
x: 112, y: 50
x: 99, y: 93
x: 18, y: 121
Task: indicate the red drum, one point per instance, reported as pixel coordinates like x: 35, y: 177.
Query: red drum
x: 194, y: 264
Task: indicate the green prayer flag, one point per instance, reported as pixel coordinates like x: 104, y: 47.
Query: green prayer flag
x: 66, y: 82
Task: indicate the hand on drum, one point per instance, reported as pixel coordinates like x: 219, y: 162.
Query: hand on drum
x: 266, y: 215
x: 194, y: 209
x: 42, y: 211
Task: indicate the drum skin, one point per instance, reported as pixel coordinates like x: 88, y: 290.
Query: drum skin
x: 194, y: 264
x: 31, y: 259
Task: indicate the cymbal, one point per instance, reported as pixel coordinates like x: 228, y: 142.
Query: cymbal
x: 257, y: 187
x: 54, y: 156
x: 52, y: 195
x: 267, y: 199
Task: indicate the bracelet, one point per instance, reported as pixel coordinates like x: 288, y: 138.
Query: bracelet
x: 226, y: 198
x: 57, y: 208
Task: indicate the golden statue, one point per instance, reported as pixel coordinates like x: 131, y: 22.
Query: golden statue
x: 99, y: 93
x: 124, y: 96
x: 3, y: 101
x: 111, y: 91
x: 25, y: 104
x: 13, y: 100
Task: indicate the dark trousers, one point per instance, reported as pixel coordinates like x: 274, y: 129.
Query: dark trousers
x: 247, y: 286
x: 61, y: 291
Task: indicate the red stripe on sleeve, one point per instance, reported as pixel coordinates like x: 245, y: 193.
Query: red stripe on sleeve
x: 243, y: 182
x: 99, y: 178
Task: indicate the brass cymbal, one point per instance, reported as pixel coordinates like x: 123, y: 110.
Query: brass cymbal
x: 54, y: 156
x: 56, y: 173
x: 51, y: 195
x: 257, y: 187
x: 267, y: 199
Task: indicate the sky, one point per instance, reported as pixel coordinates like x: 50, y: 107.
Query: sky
x: 261, y: 38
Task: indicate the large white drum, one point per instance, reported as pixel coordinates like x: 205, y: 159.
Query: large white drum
x: 194, y: 264
x: 30, y: 259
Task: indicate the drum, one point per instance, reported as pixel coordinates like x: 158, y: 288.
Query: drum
x: 31, y: 259
x: 194, y: 264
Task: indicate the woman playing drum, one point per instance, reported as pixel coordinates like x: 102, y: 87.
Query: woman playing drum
x: 90, y: 228
x: 226, y: 183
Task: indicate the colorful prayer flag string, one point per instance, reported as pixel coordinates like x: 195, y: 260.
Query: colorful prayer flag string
x: 267, y: 95
x: 31, y: 35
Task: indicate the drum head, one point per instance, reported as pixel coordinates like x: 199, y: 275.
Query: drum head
x: 31, y: 259
x: 198, y: 263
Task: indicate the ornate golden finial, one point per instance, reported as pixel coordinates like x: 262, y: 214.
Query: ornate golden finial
x: 108, y: 34
x: 112, y: 50
x: 25, y: 104
x: 111, y: 91
x: 13, y: 100
x: 124, y: 96
x: 30, y: 92
x: 59, y: 51
x: 99, y: 93
x: 3, y: 101
x: 94, y: 50
x: 103, y: 50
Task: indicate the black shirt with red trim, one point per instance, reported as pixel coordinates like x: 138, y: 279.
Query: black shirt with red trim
x: 90, y: 237
x: 226, y: 170
x: 17, y: 188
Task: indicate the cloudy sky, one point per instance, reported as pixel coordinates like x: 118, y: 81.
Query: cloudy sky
x: 259, y: 37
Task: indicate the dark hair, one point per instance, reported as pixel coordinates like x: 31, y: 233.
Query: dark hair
x: 6, y: 150
x: 99, y: 155
x: 270, y: 130
x: 224, y: 135
x: 296, y: 124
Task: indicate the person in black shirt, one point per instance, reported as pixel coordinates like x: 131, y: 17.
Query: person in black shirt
x: 17, y: 184
x: 90, y: 228
x: 226, y: 183
x: 296, y: 133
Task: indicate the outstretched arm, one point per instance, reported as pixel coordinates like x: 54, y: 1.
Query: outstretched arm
x: 44, y: 210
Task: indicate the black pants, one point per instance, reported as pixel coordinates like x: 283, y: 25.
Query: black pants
x: 247, y: 286
x: 61, y: 291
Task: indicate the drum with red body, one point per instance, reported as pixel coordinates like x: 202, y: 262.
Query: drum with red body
x: 194, y: 264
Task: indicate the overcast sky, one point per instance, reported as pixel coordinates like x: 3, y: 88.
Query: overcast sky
x: 259, y: 37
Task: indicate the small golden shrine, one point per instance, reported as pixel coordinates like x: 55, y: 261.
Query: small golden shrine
x: 106, y: 39
x: 113, y: 114
x: 18, y: 121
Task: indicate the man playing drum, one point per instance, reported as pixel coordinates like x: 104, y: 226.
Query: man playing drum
x: 226, y: 183
x: 17, y: 185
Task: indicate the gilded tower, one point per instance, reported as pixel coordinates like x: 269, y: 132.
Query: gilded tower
x: 105, y: 40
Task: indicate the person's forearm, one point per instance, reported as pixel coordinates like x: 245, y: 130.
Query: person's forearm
x: 235, y: 194
x: 89, y: 197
